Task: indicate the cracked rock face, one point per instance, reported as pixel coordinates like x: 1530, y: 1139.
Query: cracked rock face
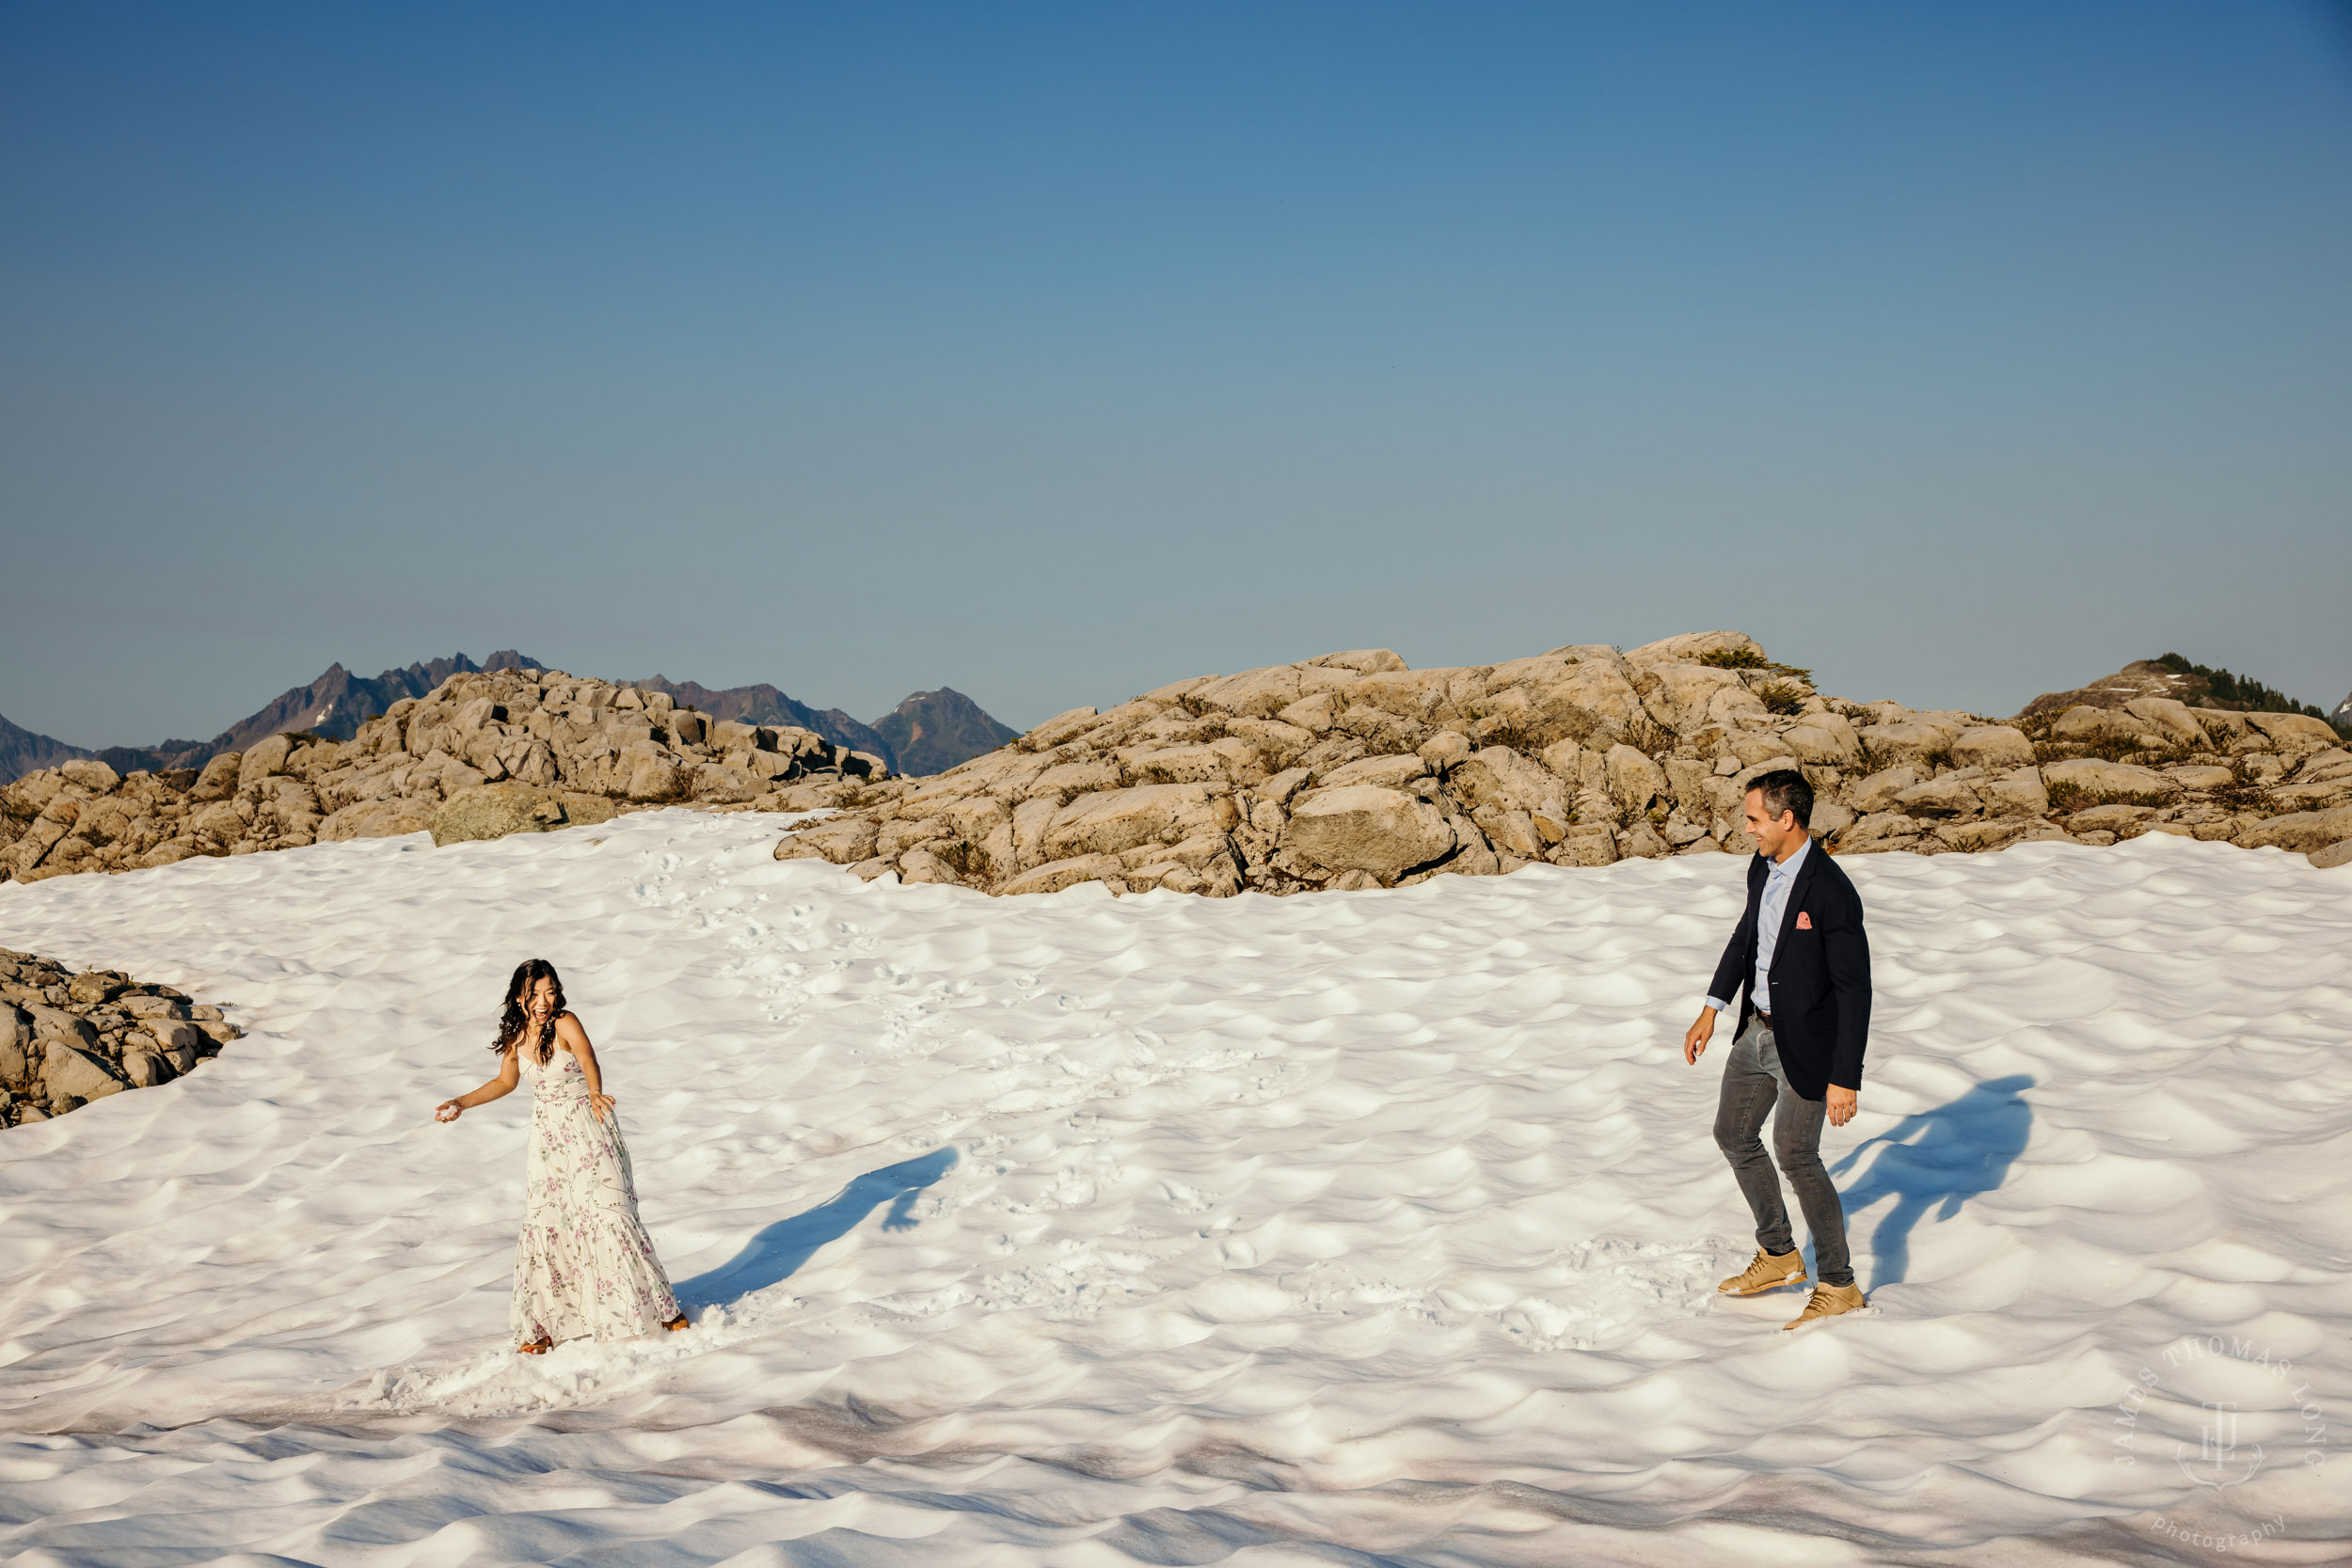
x: 485, y: 753
x: 1353, y: 771
x: 67, y: 1038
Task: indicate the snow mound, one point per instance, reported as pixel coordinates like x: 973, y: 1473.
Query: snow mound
x: 1373, y: 1228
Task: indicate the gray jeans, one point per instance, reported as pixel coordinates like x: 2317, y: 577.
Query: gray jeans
x: 1754, y: 1087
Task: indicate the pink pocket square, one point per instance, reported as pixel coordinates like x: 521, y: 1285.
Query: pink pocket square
x: 1805, y: 921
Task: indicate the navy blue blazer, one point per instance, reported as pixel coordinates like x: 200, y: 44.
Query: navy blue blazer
x: 1820, y: 976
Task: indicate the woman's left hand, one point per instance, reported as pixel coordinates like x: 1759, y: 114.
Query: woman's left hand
x: 602, y: 1105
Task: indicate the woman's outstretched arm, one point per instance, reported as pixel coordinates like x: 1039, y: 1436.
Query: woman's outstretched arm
x: 572, y: 1037
x: 503, y: 1085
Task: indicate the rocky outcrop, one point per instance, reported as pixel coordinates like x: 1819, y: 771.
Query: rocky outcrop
x: 2143, y: 677
x: 928, y: 733
x: 766, y: 704
x: 936, y: 729
x: 579, y: 746
x: 331, y: 707
x: 67, y: 1038
x: 2188, y: 683
x: 1352, y: 770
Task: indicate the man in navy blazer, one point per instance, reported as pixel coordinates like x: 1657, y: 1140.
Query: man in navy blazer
x: 1800, y: 965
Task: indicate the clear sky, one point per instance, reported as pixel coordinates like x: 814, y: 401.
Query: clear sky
x: 1052, y: 353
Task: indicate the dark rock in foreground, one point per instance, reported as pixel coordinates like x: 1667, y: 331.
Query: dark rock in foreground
x: 67, y: 1039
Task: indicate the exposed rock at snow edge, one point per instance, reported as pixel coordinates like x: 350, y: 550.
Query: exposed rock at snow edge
x: 1352, y: 770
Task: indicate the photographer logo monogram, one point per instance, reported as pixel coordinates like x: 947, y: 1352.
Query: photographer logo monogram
x: 2222, y: 1456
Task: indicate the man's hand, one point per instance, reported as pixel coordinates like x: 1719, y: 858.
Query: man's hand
x: 1843, y: 1102
x: 1694, y: 1039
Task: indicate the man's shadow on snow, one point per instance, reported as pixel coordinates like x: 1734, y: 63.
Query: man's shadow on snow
x: 776, y: 1252
x: 1941, y: 1157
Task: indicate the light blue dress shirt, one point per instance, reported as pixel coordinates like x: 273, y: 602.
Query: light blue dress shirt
x: 1774, y: 904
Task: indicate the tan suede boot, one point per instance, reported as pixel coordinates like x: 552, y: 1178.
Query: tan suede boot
x: 1770, y: 1271
x: 1828, y: 1302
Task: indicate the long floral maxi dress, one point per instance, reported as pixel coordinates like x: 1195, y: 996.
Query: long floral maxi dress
x: 584, y: 1268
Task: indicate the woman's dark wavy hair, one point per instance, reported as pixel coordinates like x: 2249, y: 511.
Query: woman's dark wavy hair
x: 512, y: 1025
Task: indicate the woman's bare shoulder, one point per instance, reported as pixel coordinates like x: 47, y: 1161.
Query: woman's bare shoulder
x: 570, y: 1029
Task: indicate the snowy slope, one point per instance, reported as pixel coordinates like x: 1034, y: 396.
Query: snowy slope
x: 1355, y: 1228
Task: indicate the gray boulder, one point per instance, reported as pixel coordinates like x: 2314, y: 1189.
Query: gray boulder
x: 494, y: 810
x: 2094, y: 777
x: 2303, y: 832
x: 1996, y: 746
x: 177, y: 1040
x: 16, y: 1039
x: 56, y: 1024
x: 384, y: 818
x: 842, y: 840
x: 146, y: 1068
x: 1366, y: 828
x: 1110, y: 821
x: 83, y: 1074
x: 1634, y: 780
x: 1056, y: 875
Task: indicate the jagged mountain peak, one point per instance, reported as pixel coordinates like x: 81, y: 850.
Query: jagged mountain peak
x: 932, y: 731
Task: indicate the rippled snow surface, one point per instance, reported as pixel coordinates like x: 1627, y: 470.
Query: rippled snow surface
x: 1375, y: 1228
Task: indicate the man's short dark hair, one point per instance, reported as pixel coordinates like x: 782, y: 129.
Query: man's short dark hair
x: 1785, y: 789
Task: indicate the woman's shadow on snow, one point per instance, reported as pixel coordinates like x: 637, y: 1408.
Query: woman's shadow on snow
x: 780, y: 1249
x: 1941, y: 1157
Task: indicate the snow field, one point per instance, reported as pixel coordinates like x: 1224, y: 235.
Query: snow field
x: 1363, y: 1228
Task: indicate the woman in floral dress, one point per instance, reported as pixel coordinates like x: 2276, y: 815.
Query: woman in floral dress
x: 583, y: 1269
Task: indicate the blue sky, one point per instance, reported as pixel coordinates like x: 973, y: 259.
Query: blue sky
x: 1053, y: 353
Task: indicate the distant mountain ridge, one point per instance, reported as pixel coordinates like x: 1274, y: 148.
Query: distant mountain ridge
x: 930, y: 732
x: 23, y: 751
x: 933, y: 731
